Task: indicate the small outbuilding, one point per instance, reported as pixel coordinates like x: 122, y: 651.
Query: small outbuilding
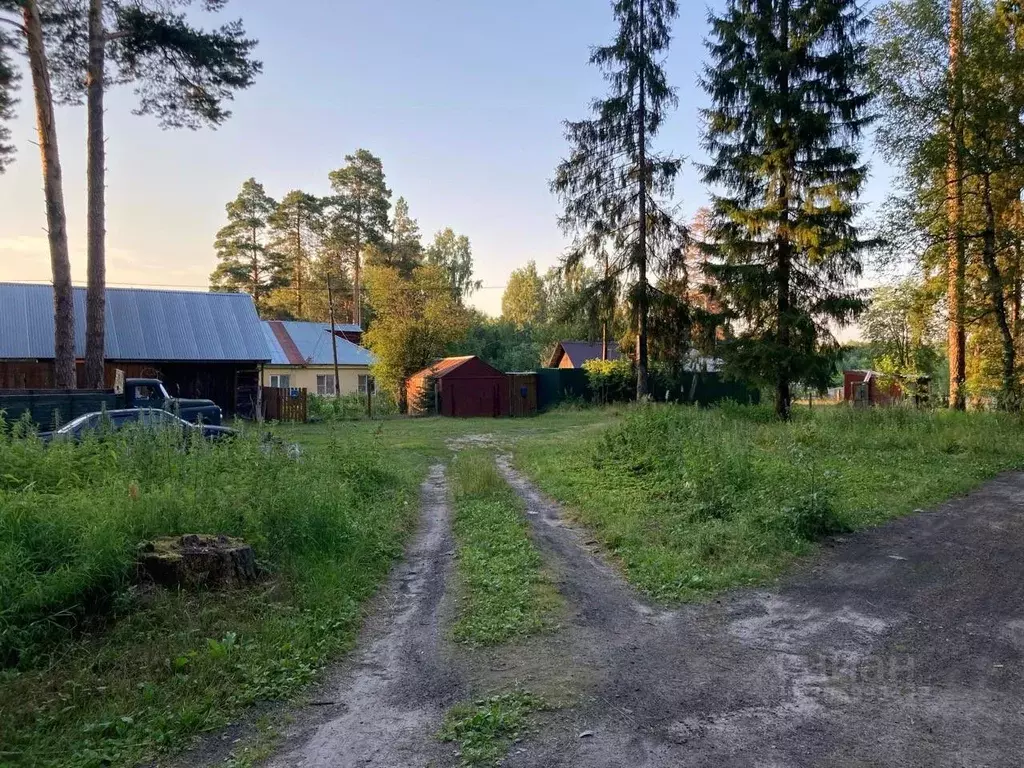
x: 459, y: 386
x: 873, y: 388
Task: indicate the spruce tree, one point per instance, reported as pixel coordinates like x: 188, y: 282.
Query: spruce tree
x: 612, y: 186
x: 246, y: 260
x: 788, y: 108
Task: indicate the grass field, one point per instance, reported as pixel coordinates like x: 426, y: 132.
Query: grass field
x: 97, y: 671
x: 693, y: 501
x: 502, y: 591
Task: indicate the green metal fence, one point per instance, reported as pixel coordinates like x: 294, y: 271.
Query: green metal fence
x: 560, y: 385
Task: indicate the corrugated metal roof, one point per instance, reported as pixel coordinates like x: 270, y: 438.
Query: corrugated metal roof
x: 443, y: 367
x: 313, y: 341
x: 141, y: 325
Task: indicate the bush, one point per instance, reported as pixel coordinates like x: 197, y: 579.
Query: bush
x: 351, y: 407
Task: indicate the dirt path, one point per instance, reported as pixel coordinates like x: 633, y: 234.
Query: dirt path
x: 900, y: 646
x: 389, y: 700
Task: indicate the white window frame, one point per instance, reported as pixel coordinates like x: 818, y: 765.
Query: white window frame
x: 364, y: 380
x: 323, y: 382
x: 280, y: 380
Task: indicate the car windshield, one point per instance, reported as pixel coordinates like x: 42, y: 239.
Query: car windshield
x: 88, y: 421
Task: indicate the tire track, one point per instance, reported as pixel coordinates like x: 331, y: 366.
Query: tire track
x: 389, y: 700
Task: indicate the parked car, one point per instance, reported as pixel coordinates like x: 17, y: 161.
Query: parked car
x: 147, y: 418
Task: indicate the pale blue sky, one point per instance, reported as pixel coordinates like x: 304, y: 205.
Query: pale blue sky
x: 462, y: 99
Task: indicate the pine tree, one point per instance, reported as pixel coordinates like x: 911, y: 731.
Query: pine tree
x: 247, y: 262
x: 181, y: 74
x: 8, y: 83
x: 296, y: 227
x: 788, y: 108
x: 613, y: 185
x: 359, y: 215
x: 26, y: 18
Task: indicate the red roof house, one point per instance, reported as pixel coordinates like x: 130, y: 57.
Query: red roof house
x: 459, y: 386
x: 573, y: 354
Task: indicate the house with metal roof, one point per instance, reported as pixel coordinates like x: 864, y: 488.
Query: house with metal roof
x: 208, y: 345
x: 573, y: 354
x: 302, y: 355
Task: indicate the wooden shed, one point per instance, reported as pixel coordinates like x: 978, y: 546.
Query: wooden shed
x: 459, y: 386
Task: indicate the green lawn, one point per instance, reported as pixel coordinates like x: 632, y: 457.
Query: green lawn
x: 502, y: 591
x: 97, y: 671
x: 693, y: 501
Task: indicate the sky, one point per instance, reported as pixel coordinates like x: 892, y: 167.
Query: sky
x: 463, y: 100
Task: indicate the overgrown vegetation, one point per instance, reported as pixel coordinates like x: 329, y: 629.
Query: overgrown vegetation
x: 485, y: 730
x: 503, y: 593
x: 693, y: 501
x: 98, y: 670
x: 351, y: 407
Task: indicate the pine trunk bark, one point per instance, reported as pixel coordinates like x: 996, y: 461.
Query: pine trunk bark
x: 956, y: 257
x: 53, y: 187
x: 783, y: 383
x: 641, y: 298
x: 96, y: 292
x: 1008, y: 397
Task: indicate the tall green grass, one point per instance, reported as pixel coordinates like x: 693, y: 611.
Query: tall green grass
x: 695, y: 500
x: 503, y: 592
x: 96, y: 670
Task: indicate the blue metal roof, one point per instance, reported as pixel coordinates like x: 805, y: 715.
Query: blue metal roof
x: 313, y: 341
x: 144, y: 325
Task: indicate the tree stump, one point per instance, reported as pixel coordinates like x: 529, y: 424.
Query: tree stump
x: 196, y: 561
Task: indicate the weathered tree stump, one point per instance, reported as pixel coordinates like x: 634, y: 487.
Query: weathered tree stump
x: 195, y: 561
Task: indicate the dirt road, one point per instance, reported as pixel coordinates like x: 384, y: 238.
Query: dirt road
x: 898, y: 646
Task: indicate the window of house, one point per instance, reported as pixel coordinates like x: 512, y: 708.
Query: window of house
x: 325, y: 384
x: 280, y: 380
x: 367, y: 381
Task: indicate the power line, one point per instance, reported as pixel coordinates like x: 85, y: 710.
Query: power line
x: 81, y: 283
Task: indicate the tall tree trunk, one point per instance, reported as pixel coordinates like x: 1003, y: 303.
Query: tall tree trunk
x: 53, y: 187
x: 606, y: 311
x: 298, y: 265
x: 95, y: 297
x: 1008, y: 397
x: 641, y: 298
x: 254, y: 269
x: 783, y: 394
x: 357, y: 299
x: 956, y: 252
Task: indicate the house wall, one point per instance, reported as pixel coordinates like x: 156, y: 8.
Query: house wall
x: 565, y: 362
x: 305, y: 377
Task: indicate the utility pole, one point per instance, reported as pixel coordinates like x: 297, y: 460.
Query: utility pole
x: 334, y: 340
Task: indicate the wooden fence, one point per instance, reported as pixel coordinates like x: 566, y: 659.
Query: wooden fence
x: 285, y: 404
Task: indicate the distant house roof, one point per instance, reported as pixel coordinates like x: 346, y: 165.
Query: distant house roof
x: 579, y: 352
x: 293, y: 342
x: 143, y: 325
